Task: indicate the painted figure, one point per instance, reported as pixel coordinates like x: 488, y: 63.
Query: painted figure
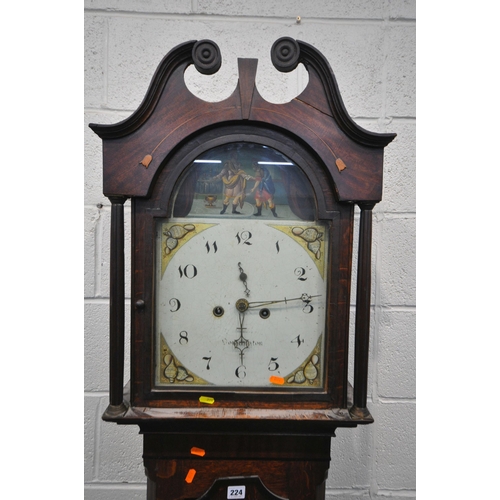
x: 264, y: 189
x: 234, y: 179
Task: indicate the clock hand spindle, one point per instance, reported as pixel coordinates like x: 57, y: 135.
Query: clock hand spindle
x: 243, y: 277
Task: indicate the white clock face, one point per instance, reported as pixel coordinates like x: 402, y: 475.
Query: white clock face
x: 240, y: 303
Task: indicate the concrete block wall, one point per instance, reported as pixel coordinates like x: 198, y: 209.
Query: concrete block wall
x: 371, y: 48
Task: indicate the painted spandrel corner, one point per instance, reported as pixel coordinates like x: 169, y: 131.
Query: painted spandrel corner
x: 244, y: 180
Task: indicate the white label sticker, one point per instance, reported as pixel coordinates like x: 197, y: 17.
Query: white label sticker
x: 235, y: 492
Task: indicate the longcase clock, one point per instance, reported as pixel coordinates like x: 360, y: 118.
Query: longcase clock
x: 242, y: 230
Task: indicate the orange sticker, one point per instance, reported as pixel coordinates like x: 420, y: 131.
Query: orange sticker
x: 197, y: 451
x: 190, y: 475
x: 277, y: 380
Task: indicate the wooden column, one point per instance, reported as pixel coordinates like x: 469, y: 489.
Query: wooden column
x: 363, y: 296
x: 116, y: 306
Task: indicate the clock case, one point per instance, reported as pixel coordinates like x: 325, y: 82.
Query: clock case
x: 143, y: 158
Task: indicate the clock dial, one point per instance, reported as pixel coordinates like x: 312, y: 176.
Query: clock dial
x: 240, y: 303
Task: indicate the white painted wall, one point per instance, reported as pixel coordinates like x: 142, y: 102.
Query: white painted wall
x: 370, y: 45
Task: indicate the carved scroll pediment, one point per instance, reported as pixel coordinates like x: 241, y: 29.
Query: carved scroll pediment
x: 135, y: 148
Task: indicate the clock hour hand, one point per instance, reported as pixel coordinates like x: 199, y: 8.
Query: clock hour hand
x: 306, y: 298
x: 241, y: 343
x: 241, y: 317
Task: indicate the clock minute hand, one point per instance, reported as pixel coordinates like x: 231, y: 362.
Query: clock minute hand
x: 304, y: 298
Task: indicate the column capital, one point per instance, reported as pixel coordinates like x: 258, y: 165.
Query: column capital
x: 117, y: 199
x: 366, y: 205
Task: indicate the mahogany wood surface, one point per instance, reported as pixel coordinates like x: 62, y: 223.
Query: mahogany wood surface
x: 117, y: 303
x: 294, y: 468
x: 363, y: 292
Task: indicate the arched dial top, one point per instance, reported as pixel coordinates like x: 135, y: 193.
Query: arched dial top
x: 241, y: 275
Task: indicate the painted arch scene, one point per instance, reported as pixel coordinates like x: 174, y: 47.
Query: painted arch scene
x: 244, y: 180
